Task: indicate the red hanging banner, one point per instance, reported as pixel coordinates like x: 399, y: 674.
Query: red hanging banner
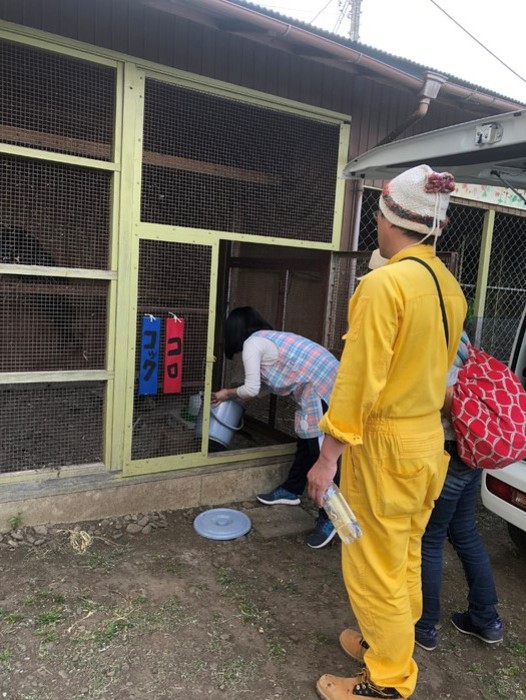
x: 173, y: 355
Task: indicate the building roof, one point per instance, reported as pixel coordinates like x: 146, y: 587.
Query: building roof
x: 404, y: 64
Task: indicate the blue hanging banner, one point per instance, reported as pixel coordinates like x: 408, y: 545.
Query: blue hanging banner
x: 149, y: 364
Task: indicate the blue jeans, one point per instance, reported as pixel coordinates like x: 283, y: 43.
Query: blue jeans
x: 454, y: 517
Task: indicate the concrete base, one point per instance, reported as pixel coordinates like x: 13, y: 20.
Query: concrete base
x: 106, y: 495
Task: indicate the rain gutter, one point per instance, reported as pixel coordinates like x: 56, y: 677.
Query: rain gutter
x: 285, y: 31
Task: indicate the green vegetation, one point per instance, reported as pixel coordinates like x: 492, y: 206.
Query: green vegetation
x: 15, y: 521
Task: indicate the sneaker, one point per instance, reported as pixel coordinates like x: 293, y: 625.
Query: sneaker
x: 426, y: 639
x: 491, y: 634
x: 322, y: 534
x: 338, y: 688
x: 353, y: 644
x: 279, y: 496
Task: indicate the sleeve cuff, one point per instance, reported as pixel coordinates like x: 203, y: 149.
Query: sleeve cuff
x: 347, y: 438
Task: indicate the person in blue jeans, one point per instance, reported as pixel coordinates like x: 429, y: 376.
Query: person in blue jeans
x: 454, y: 517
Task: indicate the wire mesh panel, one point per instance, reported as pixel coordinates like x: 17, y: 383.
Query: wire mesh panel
x: 48, y: 426
x: 51, y: 323
x: 463, y: 235
x: 346, y: 269
x: 174, y: 278
x: 506, y: 293
x: 56, y: 103
x: 53, y: 214
x: 285, y: 411
x: 368, y: 238
x: 221, y: 164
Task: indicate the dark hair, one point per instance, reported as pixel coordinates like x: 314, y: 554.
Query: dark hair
x: 240, y: 324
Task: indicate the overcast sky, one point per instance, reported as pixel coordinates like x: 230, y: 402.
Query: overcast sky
x: 418, y: 30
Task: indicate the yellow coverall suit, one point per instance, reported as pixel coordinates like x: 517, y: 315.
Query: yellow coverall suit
x: 385, y: 406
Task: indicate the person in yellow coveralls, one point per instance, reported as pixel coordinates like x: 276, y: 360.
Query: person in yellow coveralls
x: 405, y: 323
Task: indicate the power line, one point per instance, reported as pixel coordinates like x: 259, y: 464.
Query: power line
x: 319, y: 13
x: 344, y: 6
x: 478, y: 42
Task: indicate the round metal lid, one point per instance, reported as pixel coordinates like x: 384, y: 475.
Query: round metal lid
x: 222, y: 524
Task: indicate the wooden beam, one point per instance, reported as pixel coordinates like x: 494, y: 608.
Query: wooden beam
x: 103, y: 151
x: 55, y: 142
x: 199, y: 166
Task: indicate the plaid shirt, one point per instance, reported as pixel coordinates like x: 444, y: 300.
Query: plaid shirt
x: 307, y: 371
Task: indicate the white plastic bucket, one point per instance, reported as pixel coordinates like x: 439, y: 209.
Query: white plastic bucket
x: 225, y: 420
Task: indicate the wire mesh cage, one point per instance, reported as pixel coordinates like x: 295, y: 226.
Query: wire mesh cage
x: 56, y: 103
x: 506, y: 293
x: 463, y: 235
x: 174, y: 278
x: 347, y: 269
x: 53, y: 214
x: 47, y: 426
x: 222, y: 164
x: 52, y: 323
x: 368, y: 239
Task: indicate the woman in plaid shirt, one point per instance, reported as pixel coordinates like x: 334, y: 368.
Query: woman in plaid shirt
x: 285, y: 364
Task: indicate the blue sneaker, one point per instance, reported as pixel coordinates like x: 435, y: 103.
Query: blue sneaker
x: 322, y: 534
x: 426, y: 638
x: 279, y: 496
x: 491, y: 634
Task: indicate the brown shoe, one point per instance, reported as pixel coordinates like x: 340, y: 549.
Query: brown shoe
x: 337, y: 688
x: 353, y: 644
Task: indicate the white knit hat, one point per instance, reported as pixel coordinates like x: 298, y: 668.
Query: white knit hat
x: 418, y: 199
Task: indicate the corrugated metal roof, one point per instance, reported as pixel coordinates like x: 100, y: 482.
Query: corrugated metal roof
x: 404, y: 64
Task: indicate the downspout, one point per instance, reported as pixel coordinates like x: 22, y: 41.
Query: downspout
x: 429, y: 91
x: 357, y: 213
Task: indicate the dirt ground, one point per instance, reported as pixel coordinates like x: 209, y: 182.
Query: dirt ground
x: 152, y: 610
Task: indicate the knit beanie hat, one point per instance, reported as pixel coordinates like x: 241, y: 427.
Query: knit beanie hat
x: 418, y: 199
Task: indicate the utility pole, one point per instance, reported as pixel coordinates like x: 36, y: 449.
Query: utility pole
x: 353, y: 13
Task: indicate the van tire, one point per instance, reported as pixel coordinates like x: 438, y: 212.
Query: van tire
x: 518, y: 537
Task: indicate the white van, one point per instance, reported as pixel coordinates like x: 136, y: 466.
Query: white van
x: 489, y: 151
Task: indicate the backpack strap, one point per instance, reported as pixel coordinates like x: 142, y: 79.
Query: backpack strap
x: 440, y: 297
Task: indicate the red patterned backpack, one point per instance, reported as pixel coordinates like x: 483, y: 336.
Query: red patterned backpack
x: 488, y: 413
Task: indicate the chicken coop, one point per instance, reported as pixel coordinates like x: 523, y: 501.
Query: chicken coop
x: 163, y: 162
x: 138, y: 207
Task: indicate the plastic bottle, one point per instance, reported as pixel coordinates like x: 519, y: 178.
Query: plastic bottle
x: 341, y: 515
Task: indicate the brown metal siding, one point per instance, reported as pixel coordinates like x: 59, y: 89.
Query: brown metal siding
x: 131, y: 28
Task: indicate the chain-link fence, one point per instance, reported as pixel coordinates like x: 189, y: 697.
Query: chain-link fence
x: 506, y: 292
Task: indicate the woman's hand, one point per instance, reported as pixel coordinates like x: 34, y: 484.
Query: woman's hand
x: 220, y: 396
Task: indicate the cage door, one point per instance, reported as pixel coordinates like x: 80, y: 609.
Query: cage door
x: 171, y: 350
